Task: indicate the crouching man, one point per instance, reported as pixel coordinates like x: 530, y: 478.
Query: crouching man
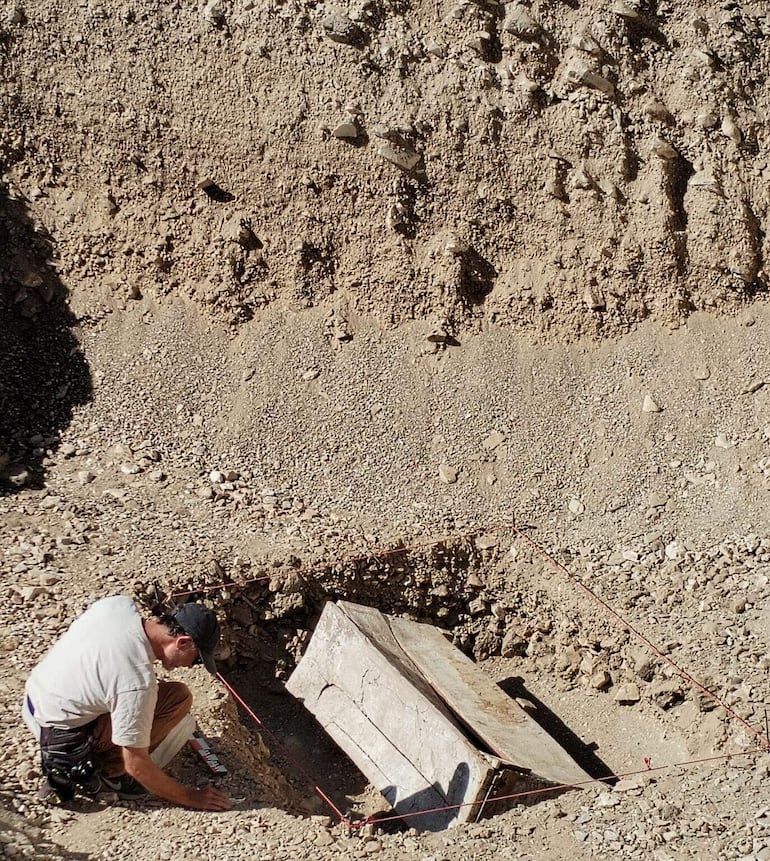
x: 98, y: 710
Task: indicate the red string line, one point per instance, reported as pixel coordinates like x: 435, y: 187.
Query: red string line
x: 683, y: 674
x: 376, y: 554
x: 510, y: 527
x: 283, y: 748
x: 649, y: 768
x: 561, y: 787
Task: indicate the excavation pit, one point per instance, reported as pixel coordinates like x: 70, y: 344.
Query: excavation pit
x: 430, y: 730
x: 508, y: 612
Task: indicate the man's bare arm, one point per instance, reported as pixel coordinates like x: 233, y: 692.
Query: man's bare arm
x: 139, y: 765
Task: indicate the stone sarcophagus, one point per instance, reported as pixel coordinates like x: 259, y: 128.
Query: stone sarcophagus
x: 425, y: 725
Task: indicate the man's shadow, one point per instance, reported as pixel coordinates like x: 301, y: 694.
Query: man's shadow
x: 16, y: 830
x: 424, y: 808
x: 43, y: 372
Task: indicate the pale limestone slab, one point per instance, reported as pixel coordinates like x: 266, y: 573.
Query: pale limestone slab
x: 499, y: 721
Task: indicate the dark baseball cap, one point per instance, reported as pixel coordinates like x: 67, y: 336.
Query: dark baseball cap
x: 201, y: 624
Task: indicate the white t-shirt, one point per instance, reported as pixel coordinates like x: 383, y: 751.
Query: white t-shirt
x: 101, y: 665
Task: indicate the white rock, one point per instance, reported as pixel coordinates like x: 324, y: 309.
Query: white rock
x: 454, y: 247
x: 594, y: 299
x: 15, y: 14
x: 406, y: 159
x: 650, y: 406
x: 130, y: 468
x: 520, y: 22
x: 17, y: 475
x: 479, y: 42
x: 580, y: 74
x: 658, y: 111
x: 730, y: 130
x: 216, y: 477
x: 494, y: 440
x: 447, y: 474
x: 29, y: 593
x: 576, y: 506
x: 702, y: 58
x: 630, y: 784
x: 722, y: 441
x: 627, y: 694
x: 581, y: 179
x: 340, y: 28
x: 347, y: 130
x: 214, y: 12
x: 585, y: 41
x: 706, y: 119
x: 323, y: 838
x: 607, y: 799
x: 625, y: 10
x: 435, y: 47
x: 119, y: 450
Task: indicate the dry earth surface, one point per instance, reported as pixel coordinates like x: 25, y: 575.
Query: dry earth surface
x: 286, y: 285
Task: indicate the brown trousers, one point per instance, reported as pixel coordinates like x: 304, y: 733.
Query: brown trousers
x: 174, y: 702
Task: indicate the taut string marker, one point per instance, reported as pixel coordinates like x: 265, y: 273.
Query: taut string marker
x: 762, y: 738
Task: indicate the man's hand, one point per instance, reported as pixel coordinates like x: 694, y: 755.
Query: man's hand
x: 142, y: 768
x: 208, y: 798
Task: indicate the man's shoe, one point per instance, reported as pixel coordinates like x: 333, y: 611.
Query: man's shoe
x: 48, y: 793
x: 124, y: 786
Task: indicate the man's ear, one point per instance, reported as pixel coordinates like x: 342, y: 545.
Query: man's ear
x: 184, y: 641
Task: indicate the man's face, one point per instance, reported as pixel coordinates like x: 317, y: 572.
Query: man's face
x: 179, y: 652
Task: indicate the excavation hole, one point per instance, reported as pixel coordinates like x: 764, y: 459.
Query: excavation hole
x: 540, y: 642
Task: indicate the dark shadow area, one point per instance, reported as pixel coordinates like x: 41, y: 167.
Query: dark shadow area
x: 18, y: 832
x: 216, y: 192
x: 407, y: 204
x: 299, y: 747
x: 678, y: 175
x: 319, y: 258
x: 759, y: 285
x: 343, y: 31
x: 477, y: 277
x: 582, y: 753
x: 427, y: 799
x: 645, y: 28
x: 43, y: 372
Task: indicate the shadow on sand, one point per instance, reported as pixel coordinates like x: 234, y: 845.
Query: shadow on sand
x: 43, y: 372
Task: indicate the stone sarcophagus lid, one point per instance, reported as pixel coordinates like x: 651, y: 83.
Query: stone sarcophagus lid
x: 426, y: 726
